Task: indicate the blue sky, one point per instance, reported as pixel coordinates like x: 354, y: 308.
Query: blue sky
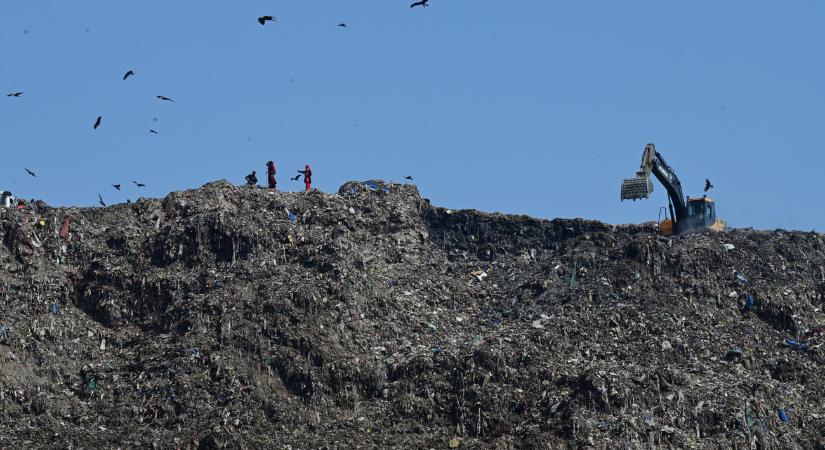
x: 530, y: 107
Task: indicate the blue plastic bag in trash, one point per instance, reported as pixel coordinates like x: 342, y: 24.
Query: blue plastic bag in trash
x: 798, y: 345
x: 749, y: 303
x: 783, y: 416
x: 55, y: 309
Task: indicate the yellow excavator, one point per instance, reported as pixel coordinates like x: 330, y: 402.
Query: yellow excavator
x: 685, y: 214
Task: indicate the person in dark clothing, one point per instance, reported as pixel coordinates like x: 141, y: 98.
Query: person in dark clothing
x: 307, y: 172
x: 251, y: 179
x: 270, y: 175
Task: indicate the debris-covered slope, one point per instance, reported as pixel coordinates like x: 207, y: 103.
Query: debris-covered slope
x: 227, y: 317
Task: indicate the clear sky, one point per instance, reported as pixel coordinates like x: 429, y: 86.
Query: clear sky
x: 535, y: 107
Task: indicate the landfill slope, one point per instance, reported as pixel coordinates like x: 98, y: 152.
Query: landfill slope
x: 226, y: 317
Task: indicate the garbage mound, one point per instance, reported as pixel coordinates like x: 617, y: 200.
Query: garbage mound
x: 237, y: 317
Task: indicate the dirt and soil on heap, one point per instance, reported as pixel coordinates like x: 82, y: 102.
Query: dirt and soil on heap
x: 228, y: 317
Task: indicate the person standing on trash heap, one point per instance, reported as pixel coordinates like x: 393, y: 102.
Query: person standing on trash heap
x: 251, y: 179
x: 307, y: 172
x: 270, y: 175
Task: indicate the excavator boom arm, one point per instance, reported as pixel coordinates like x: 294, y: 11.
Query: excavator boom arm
x: 641, y: 186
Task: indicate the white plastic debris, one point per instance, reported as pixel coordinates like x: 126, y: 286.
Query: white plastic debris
x: 480, y: 274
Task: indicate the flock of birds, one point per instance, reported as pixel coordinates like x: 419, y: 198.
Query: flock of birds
x: 99, y: 197
x: 99, y: 121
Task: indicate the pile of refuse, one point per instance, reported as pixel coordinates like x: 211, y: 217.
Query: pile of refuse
x: 238, y: 317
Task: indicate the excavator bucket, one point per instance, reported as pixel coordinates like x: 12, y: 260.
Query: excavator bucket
x: 636, y: 188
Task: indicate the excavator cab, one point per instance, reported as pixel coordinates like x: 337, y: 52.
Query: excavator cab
x: 702, y: 214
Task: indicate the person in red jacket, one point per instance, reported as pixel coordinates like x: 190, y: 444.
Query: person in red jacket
x: 270, y: 175
x: 307, y: 172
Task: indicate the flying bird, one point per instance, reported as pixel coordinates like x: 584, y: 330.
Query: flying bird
x: 262, y: 20
x: 342, y: 25
x: 153, y: 131
x: 15, y: 94
x: 116, y: 186
x: 97, y: 122
x: 128, y: 74
x: 708, y: 186
x: 295, y: 178
x: 100, y: 200
x: 408, y: 177
x: 140, y: 185
x: 166, y: 99
x: 419, y: 3
x: 30, y: 172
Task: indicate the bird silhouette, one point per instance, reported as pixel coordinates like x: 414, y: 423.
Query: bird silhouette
x: 408, y: 177
x: 262, y: 20
x: 30, y: 172
x: 708, y: 186
x: 15, y: 94
x: 166, y: 99
x: 100, y: 200
x: 128, y: 74
x: 140, y: 185
x: 342, y: 25
x: 97, y: 122
x: 128, y: 202
x: 419, y: 3
x: 116, y: 186
x: 153, y: 131
x: 296, y: 177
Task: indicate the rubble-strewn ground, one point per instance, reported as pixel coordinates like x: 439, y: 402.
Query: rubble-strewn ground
x: 210, y: 319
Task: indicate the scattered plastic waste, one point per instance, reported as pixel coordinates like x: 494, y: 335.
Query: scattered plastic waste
x: 572, y: 282
x: 797, y: 345
x: 733, y: 353
x: 749, y: 418
x: 783, y: 416
x: 64, y: 230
